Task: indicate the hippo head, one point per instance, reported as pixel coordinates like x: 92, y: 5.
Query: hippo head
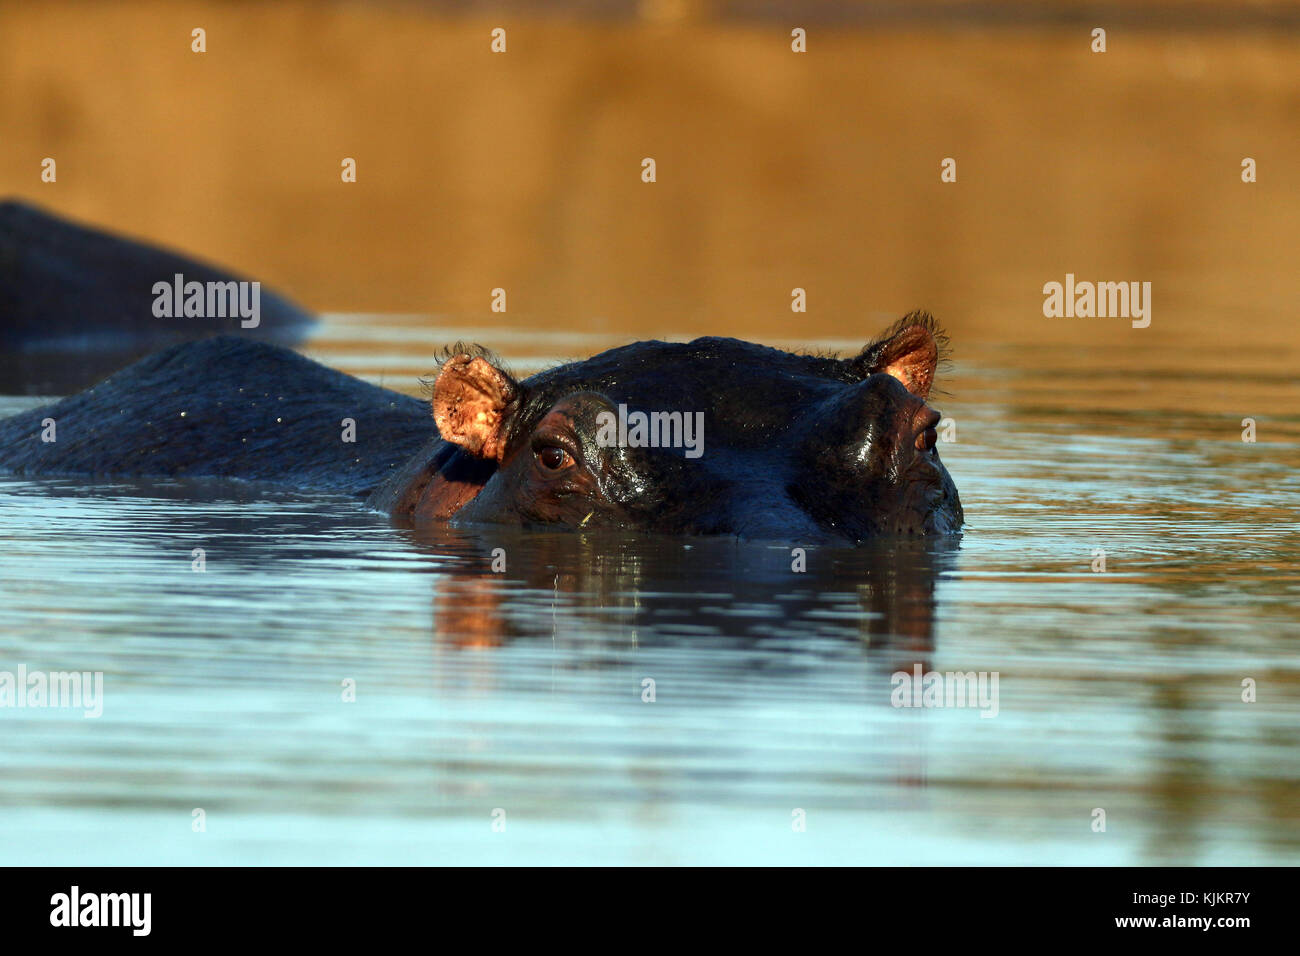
x: 714, y: 436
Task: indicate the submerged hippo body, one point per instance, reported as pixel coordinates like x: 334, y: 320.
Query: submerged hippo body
x: 787, y: 446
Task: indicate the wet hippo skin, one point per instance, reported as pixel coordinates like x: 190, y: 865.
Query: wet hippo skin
x: 789, y: 446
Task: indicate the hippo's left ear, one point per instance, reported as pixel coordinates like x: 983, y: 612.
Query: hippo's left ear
x: 909, y: 350
x: 472, y: 402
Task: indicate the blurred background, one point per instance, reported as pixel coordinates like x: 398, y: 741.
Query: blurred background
x: 775, y: 170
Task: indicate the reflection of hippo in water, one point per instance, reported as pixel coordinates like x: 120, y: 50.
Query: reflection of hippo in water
x: 793, y: 446
x: 604, y: 589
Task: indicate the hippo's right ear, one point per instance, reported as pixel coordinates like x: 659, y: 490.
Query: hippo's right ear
x: 910, y: 350
x: 472, y: 402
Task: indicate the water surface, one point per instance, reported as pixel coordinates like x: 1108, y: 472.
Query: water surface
x: 522, y: 691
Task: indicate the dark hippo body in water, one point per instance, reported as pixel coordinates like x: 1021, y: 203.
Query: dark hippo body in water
x: 77, y: 303
x: 789, y: 446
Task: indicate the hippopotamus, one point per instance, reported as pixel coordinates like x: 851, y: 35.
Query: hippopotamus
x: 758, y: 442
x: 77, y: 303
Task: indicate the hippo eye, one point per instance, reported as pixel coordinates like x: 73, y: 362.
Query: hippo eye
x: 553, y: 458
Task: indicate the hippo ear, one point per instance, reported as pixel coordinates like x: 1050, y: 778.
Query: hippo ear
x: 472, y: 402
x: 909, y: 351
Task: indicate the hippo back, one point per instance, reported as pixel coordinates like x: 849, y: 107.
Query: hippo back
x: 224, y: 407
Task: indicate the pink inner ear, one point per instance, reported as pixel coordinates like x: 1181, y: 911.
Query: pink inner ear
x: 911, y: 357
x: 470, y: 399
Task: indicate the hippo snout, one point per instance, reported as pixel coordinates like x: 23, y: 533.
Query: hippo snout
x: 868, y: 463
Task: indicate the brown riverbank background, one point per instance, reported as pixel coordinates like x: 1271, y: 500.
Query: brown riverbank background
x: 775, y: 170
